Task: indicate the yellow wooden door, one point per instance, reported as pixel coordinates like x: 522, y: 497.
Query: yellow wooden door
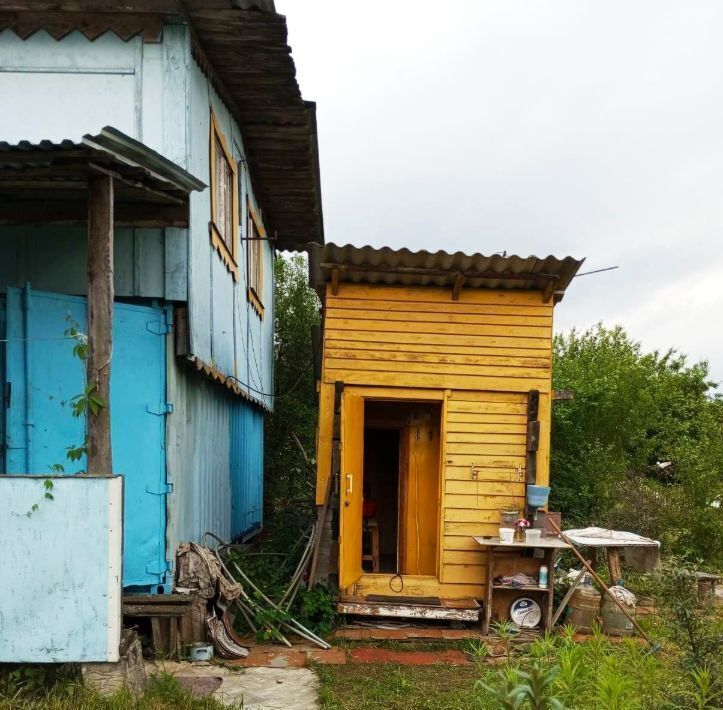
x: 351, y: 499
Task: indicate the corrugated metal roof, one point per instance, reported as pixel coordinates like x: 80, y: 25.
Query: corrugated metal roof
x: 47, y: 181
x: 402, y: 267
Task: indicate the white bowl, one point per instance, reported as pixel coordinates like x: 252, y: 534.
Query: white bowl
x: 533, y: 535
x: 507, y: 534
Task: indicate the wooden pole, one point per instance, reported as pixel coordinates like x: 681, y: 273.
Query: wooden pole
x: 100, y: 320
x: 616, y: 573
x: 602, y: 584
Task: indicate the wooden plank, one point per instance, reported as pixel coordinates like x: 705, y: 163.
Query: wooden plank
x: 472, y: 437
x: 477, y: 396
x: 100, y: 321
x: 464, y: 574
x: 446, y: 348
x: 470, y: 515
x: 460, y: 308
x: 434, y: 368
x: 487, y: 488
x: 467, y: 542
x: 332, y: 353
x: 474, y: 339
x: 429, y: 294
x: 504, y: 406
x: 482, y: 501
x: 495, y: 473
x: 415, y: 316
x: 493, y: 419
x: 446, y: 328
x: 496, y: 449
x: 474, y: 557
x: 457, y: 287
x: 408, y: 611
x: 376, y: 378
x: 412, y: 585
x: 457, y: 428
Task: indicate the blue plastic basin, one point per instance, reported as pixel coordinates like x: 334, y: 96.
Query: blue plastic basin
x: 537, y: 495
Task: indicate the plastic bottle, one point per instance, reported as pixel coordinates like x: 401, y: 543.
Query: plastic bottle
x: 543, y: 577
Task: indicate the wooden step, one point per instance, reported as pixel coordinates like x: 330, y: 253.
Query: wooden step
x: 446, y: 609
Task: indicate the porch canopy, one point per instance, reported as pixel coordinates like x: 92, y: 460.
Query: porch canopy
x: 102, y: 180
x: 48, y: 182
x: 334, y: 264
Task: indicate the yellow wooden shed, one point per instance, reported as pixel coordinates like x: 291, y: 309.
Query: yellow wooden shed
x: 434, y: 412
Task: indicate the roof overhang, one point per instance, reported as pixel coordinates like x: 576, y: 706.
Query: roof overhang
x: 333, y: 264
x: 242, y: 47
x: 48, y: 182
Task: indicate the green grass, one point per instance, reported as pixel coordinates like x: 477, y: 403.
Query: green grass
x: 595, y: 673
x: 66, y: 693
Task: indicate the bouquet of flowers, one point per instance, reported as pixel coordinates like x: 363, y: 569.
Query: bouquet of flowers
x: 521, y: 524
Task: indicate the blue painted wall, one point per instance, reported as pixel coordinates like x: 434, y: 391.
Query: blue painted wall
x: 60, y: 603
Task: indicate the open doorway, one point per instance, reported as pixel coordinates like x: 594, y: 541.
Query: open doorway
x: 401, y: 479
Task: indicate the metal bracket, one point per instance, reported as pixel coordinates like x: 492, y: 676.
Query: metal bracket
x: 162, y: 409
x: 165, y: 489
x: 153, y: 326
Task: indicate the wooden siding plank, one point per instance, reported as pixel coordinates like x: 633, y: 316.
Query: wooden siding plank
x: 447, y: 348
x: 371, y: 304
x: 358, y: 326
x: 469, y: 339
x: 474, y: 437
x: 508, y: 397
x: 496, y: 449
x: 429, y: 294
x: 465, y: 574
x: 404, y: 357
x: 432, y: 368
x: 494, y: 474
x: 448, y: 317
x: 487, y: 408
x: 487, y: 488
x: 465, y: 557
x: 483, y: 501
x: 457, y: 428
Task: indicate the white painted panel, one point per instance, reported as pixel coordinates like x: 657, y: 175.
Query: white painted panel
x: 57, y: 105
x: 60, y: 597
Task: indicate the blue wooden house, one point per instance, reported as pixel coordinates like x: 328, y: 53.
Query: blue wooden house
x: 193, y: 110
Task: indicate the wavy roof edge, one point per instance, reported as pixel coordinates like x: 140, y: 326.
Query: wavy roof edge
x: 384, y: 266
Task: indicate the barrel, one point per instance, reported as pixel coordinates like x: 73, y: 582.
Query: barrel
x: 583, y: 607
x: 614, y: 622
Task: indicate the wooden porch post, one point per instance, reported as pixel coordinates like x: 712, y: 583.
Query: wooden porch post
x: 100, y: 319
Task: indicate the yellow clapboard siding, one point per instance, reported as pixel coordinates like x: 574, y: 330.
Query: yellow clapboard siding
x: 461, y: 591
x: 465, y: 557
x: 472, y: 529
x: 487, y: 408
x: 412, y: 336
x: 487, y: 428
x: 501, y: 474
x: 467, y: 542
x: 470, y: 515
x: 485, y: 461
x: 371, y: 304
x: 394, y: 379
x: 432, y: 368
x: 450, y: 347
x: 540, y: 363
x: 412, y: 585
x: 482, y: 501
x: 485, y: 397
x: 466, y: 574
x: 447, y: 329
x: 496, y: 449
x: 470, y: 437
x: 423, y: 294
x: 450, y: 316
x: 487, y: 488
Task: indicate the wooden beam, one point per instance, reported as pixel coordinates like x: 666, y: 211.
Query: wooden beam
x: 457, y: 288
x: 548, y: 291
x: 100, y: 320
x: 335, y: 282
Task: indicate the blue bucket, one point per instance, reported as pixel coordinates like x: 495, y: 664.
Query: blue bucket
x: 537, y: 495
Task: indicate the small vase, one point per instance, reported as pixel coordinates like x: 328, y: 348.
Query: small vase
x: 520, y: 534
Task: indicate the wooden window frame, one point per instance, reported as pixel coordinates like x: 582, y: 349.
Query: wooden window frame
x: 254, y: 297
x: 228, y: 256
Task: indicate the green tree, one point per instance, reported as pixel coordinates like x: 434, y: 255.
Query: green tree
x: 633, y: 410
x: 289, y: 480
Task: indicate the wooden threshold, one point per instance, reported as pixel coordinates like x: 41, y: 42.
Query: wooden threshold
x: 467, y: 609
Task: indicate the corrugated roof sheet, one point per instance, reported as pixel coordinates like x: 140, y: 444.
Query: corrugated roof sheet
x: 242, y: 47
x: 402, y: 267
x: 48, y: 180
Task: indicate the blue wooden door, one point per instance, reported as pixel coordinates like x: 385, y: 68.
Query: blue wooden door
x: 43, y: 376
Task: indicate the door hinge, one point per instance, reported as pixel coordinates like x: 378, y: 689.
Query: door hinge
x: 164, y: 490
x: 161, y: 409
x: 164, y: 567
x: 157, y: 328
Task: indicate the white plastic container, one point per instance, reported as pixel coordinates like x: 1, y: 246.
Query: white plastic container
x: 532, y: 535
x: 507, y: 534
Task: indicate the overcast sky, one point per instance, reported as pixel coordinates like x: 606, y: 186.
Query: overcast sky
x: 591, y: 129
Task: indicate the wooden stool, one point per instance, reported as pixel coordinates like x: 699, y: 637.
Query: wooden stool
x: 370, y: 526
